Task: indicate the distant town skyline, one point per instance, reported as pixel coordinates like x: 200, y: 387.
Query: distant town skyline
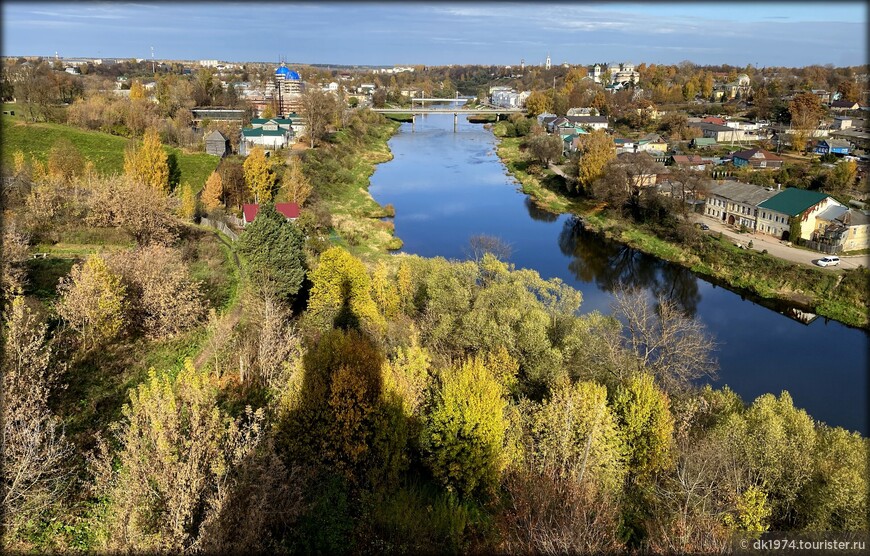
x: 735, y: 33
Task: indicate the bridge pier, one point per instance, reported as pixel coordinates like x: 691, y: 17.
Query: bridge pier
x: 455, y: 121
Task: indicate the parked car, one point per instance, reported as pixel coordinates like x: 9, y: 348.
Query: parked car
x: 705, y: 227
x: 828, y: 261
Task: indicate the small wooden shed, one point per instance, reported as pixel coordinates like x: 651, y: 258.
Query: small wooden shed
x: 216, y: 144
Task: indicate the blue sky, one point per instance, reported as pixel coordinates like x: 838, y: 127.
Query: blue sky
x: 768, y: 34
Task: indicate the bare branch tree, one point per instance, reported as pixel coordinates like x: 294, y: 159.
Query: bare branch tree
x: 480, y: 244
x: 674, y: 347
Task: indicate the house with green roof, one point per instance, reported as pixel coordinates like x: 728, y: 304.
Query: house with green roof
x: 267, y: 137
x: 775, y: 214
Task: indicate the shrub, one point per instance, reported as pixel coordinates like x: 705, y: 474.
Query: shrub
x: 464, y: 433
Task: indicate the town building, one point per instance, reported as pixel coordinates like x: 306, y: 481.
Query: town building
x: 833, y: 146
x: 623, y: 73
x: 756, y: 159
x: 775, y: 214
x: 736, y: 203
x: 271, y: 134
x: 841, y: 229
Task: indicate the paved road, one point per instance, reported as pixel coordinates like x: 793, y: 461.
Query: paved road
x: 778, y: 248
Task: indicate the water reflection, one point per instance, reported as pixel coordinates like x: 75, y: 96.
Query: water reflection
x: 537, y: 213
x: 609, y: 265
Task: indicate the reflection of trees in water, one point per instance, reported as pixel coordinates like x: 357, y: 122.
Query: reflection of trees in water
x: 539, y: 214
x: 610, y: 264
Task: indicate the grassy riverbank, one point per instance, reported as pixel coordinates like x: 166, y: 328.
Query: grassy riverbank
x: 340, y: 172
x: 839, y: 295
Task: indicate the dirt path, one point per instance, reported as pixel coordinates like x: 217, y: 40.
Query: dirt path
x: 231, y: 319
x: 779, y: 248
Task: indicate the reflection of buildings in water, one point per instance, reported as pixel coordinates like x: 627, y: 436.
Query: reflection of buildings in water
x: 801, y: 316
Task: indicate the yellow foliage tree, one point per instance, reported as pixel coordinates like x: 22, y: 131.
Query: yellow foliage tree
x: 258, y: 175
x: 384, y: 292
x: 149, y: 163
x: 538, y: 103
x: 137, y: 91
x: 187, y: 209
x: 596, y: 150
x: 295, y: 185
x: 340, y: 294
x: 405, y: 284
x: 93, y: 302
x: 214, y: 189
x: 19, y: 162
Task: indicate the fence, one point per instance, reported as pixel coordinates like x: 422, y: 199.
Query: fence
x: 823, y: 247
x: 220, y: 226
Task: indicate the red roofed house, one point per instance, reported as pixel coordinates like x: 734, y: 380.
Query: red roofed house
x: 289, y: 210
x: 691, y: 161
x: 714, y: 120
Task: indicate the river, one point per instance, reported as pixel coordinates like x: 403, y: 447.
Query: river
x: 447, y: 187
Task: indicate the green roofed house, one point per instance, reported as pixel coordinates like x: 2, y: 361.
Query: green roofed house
x: 271, y: 133
x: 775, y: 214
x: 703, y: 142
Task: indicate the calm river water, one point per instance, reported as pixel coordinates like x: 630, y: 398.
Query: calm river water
x: 447, y: 187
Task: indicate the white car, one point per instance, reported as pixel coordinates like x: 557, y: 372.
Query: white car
x: 828, y: 261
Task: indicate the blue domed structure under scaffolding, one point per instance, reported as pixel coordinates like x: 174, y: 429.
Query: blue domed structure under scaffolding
x: 283, y: 72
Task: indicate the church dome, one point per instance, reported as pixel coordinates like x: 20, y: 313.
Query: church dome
x: 286, y: 73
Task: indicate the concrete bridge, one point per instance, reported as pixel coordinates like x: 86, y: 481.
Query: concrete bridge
x: 456, y: 111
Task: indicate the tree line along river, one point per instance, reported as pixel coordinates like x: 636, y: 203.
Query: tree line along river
x: 447, y: 187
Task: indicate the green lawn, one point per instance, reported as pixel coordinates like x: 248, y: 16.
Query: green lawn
x: 104, y: 150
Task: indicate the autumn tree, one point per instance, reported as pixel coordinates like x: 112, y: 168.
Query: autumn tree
x: 141, y: 211
x: 148, y: 164
x: 341, y: 293
x: 343, y: 421
x: 546, y: 147
x: 137, y: 90
x: 538, y: 103
x: 213, y: 192
x: 232, y: 175
x: 849, y: 91
x: 163, y: 299
x: 806, y: 110
x: 13, y: 264
x: 65, y: 161
x: 93, y: 302
x: 835, y: 497
x: 575, y: 433
x: 188, y: 204
x: 272, y: 247
x: 624, y: 178
x: 842, y: 177
x: 463, y: 435
x: 259, y: 176
x: 318, y: 109
x: 177, y: 455
x: 36, y: 455
x: 777, y: 441
x: 294, y: 183
x: 563, y: 496
x: 646, y: 425
x: 596, y: 150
